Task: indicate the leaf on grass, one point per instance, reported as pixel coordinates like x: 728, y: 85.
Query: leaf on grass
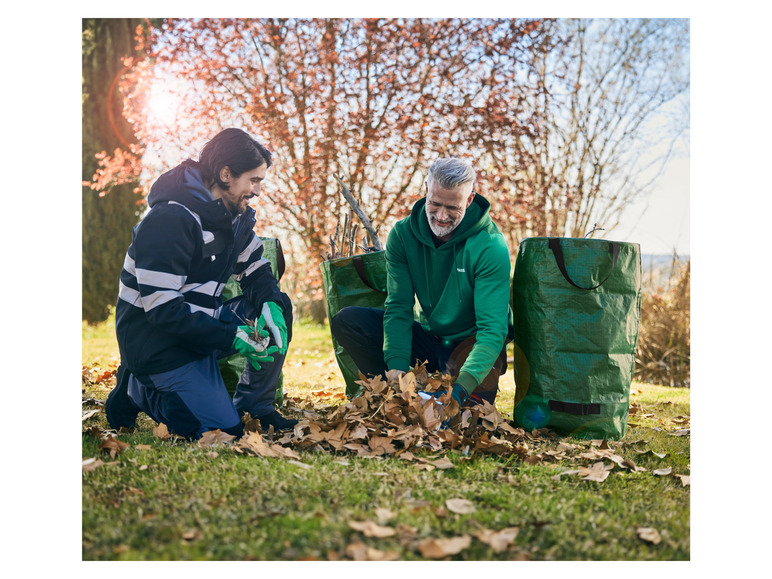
x: 460, y: 506
x: 255, y: 443
x: 649, y: 451
x: 440, y: 548
x: 361, y: 552
x: 192, y: 535
x: 113, y: 446
x: 383, y: 515
x: 161, y: 431
x: 681, y: 432
x: 91, y: 464
x: 649, y: 534
x: 662, y: 471
x: 371, y: 529
x: 211, y: 437
x: 598, y: 472
x: 251, y: 424
x: 684, y: 478
x: 88, y: 414
x: 442, y: 463
x: 498, y: 540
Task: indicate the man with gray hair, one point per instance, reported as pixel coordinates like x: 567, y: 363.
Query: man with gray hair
x: 451, y: 258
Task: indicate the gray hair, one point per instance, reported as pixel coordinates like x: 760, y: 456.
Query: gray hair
x: 451, y: 172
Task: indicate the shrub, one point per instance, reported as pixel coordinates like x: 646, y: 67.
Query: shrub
x: 663, y: 355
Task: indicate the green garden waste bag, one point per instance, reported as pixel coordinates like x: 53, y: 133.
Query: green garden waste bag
x: 232, y: 367
x: 576, y: 305
x: 358, y: 280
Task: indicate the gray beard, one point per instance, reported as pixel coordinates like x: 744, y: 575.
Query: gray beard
x: 440, y: 231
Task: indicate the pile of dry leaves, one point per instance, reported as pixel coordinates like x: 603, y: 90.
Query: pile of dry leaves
x: 391, y: 419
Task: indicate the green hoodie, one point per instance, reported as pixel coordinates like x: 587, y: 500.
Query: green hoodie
x: 462, y: 288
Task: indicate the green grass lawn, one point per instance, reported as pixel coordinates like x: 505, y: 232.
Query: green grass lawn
x: 176, y: 500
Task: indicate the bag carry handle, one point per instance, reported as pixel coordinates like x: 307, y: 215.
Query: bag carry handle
x: 280, y: 264
x: 554, y: 245
x: 359, y: 266
x: 574, y: 408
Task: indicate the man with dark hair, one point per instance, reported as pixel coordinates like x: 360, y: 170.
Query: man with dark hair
x: 170, y: 321
x: 450, y: 257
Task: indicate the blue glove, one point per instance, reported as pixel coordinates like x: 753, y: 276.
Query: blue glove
x: 458, y: 393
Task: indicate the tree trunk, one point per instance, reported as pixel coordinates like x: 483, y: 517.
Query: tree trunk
x: 107, y: 220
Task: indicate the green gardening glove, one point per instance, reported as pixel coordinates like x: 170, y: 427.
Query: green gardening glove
x: 272, y: 318
x: 256, y: 351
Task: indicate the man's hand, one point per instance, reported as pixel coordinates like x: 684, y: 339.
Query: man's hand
x: 256, y: 351
x: 272, y: 319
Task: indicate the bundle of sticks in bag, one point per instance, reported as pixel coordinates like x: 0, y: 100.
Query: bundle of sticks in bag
x: 344, y: 242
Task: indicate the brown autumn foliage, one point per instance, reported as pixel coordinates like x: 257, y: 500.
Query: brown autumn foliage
x: 549, y: 111
x: 663, y: 355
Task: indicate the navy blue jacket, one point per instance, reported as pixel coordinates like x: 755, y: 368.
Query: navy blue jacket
x: 180, y: 258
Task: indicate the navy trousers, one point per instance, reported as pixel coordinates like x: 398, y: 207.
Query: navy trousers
x: 193, y: 399
x: 360, y: 332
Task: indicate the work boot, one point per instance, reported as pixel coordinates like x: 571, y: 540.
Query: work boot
x: 273, y: 418
x: 120, y: 410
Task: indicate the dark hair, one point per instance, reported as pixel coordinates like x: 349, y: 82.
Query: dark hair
x: 232, y: 148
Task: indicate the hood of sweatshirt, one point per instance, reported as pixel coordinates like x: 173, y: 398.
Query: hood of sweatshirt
x: 184, y: 185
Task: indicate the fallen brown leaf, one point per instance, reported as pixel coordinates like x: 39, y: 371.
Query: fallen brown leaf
x: 371, y: 529
x: 161, y: 431
x: 460, y: 506
x: 383, y: 515
x: 88, y: 414
x: 598, y: 472
x: 212, y: 437
x: 440, y: 548
x: 91, y: 464
x: 113, y: 446
x: 684, y: 478
x: 649, y: 534
x: 443, y: 463
x: 361, y: 552
x: 498, y: 540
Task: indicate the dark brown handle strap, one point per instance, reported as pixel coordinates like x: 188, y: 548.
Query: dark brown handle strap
x: 359, y: 266
x: 557, y: 250
x: 280, y: 264
x: 574, y: 408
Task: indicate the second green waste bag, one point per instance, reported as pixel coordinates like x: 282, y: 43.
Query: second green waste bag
x: 576, y: 305
x: 358, y: 280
